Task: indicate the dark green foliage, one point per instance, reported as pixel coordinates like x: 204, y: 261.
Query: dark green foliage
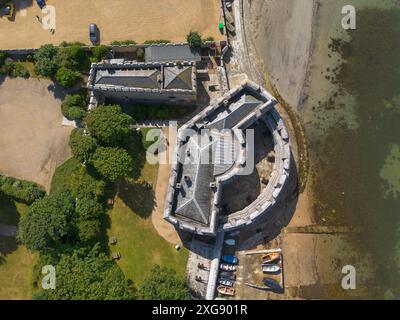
x: 70, y: 106
x: 109, y: 125
x: 46, y: 62
x: 100, y: 52
x: 88, y: 230
x: 67, y: 77
x: 83, y: 146
x: 19, y: 70
x: 208, y: 39
x: 3, y: 57
x: 87, y: 274
x: 84, y: 185
x: 62, y: 176
x: 160, y: 112
x: 140, y: 54
x: 163, y: 284
x: 48, y: 222
x: 157, y: 41
x: 89, y: 208
x: 112, y: 163
x: 122, y: 42
x: 194, y: 39
x: 21, y: 190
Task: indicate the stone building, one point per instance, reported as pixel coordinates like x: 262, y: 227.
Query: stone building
x: 214, y: 150
x: 120, y: 81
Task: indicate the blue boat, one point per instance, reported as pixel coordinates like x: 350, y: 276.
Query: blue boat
x: 230, y: 259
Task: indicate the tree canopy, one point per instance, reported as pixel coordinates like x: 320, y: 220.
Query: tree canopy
x: 194, y: 39
x: 67, y: 77
x: 87, y: 274
x: 163, y: 284
x: 48, y: 222
x: 108, y: 124
x: 46, y: 63
x: 112, y: 163
x: 83, y: 146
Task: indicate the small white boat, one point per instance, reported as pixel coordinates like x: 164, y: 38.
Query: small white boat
x: 227, y: 267
x: 226, y: 282
x: 230, y: 242
x: 270, y: 268
x: 226, y: 291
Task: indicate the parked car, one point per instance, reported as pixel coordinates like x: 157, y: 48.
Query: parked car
x: 7, y: 10
x: 94, y: 33
x: 41, y: 3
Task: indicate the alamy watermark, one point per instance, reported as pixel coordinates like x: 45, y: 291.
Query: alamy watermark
x: 49, y: 279
x: 349, y: 280
x: 349, y: 20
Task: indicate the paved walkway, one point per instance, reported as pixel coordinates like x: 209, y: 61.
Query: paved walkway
x: 165, y: 229
x: 8, y: 231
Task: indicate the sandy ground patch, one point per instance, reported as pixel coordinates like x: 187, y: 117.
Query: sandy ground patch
x: 281, y: 33
x: 137, y: 20
x: 164, y: 228
x: 32, y: 141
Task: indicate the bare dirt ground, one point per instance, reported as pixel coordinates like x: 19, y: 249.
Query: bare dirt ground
x: 137, y: 20
x: 32, y: 141
x: 164, y: 228
x: 281, y: 34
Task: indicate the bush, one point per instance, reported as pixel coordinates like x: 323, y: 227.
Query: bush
x: 100, y: 52
x: 208, y: 39
x: 140, y: 54
x: 73, y: 107
x: 3, y: 57
x: 194, y: 39
x: 123, y: 42
x: 46, y: 62
x: 85, y: 186
x: 67, y: 77
x: 88, y: 230
x: 21, y: 190
x: 19, y: 70
x: 157, y: 41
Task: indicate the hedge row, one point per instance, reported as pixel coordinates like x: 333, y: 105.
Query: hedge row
x: 21, y: 190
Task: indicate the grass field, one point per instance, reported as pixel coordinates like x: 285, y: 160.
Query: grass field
x: 15, y: 260
x: 137, y: 240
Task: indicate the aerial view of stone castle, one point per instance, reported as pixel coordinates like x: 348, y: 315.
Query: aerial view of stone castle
x: 190, y: 150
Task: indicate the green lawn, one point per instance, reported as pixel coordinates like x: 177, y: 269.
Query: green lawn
x: 137, y: 240
x: 15, y: 260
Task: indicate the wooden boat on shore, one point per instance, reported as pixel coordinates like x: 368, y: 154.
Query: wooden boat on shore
x: 226, y: 291
x: 227, y: 275
x: 230, y: 259
x: 227, y: 267
x: 226, y: 282
x: 271, y: 257
x: 270, y: 268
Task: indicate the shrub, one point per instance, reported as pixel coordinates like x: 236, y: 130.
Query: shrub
x: 100, y: 52
x: 208, y: 39
x: 19, y: 70
x: 67, y: 77
x: 85, y: 186
x: 88, y: 230
x: 122, y: 42
x: 3, y: 57
x: 157, y: 41
x: 140, y: 54
x: 46, y: 63
x: 194, y: 39
x: 21, y: 190
x: 73, y: 107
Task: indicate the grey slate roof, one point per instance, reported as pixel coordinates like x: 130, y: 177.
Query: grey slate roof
x: 178, y: 78
x: 171, y: 52
x: 139, y: 78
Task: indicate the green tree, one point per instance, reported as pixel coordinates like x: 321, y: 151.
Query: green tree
x: 67, y: 77
x: 108, y: 124
x: 194, y: 39
x: 163, y: 284
x: 46, y: 63
x: 112, y: 163
x: 82, y: 145
x: 47, y: 222
x: 140, y: 54
x: 88, y: 230
x: 89, y: 208
x: 83, y: 185
x: 88, y: 274
x: 73, y: 107
x: 100, y: 52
